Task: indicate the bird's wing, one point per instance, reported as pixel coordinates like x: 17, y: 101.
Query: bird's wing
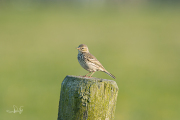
x: 93, y: 59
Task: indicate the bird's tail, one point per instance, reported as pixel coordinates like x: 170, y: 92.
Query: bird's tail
x: 110, y: 74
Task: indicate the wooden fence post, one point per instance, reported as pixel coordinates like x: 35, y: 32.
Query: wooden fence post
x: 87, y: 99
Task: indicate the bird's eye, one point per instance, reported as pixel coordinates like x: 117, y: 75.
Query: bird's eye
x: 82, y: 48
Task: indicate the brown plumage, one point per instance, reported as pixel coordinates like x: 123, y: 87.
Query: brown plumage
x: 89, y: 62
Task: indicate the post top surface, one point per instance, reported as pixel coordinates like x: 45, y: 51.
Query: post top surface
x: 79, y: 79
x: 90, y: 78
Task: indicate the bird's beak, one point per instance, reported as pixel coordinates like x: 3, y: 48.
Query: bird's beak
x: 77, y: 48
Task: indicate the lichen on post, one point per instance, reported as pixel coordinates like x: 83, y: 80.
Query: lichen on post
x: 84, y: 98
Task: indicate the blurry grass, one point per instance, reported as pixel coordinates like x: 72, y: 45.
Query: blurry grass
x: 140, y: 46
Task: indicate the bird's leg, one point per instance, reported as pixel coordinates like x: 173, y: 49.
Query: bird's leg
x: 92, y: 74
x: 86, y: 74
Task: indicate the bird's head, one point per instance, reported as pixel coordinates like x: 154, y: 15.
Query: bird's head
x: 83, y: 48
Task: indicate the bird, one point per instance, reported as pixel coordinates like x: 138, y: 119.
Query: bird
x: 89, y: 62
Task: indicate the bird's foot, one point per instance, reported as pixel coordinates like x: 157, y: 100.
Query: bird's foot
x: 83, y: 76
x: 86, y: 76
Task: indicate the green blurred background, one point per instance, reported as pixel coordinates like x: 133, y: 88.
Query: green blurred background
x: 137, y: 41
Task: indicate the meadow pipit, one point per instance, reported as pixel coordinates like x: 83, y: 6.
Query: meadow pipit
x: 89, y: 62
